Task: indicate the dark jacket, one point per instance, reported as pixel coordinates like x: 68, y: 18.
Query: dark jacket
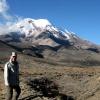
x: 11, y: 74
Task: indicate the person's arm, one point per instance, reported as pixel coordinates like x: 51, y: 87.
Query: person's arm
x: 6, y: 75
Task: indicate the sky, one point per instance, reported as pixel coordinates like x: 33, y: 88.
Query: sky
x: 79, y: 16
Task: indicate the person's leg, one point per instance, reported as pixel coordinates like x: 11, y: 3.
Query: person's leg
x: 17, y: 92
x: 9, y: 92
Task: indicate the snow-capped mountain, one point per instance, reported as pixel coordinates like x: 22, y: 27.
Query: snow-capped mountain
x: 32, y: 27
x: 42, y: 32
x: 39, y: 32
x: 39, y: 38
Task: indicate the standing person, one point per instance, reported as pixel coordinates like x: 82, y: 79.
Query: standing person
x: 11, y: 77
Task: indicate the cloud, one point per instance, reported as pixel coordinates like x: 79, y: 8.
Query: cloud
x: 4, y: 10
x: 10, y: 20
x: 3, y: 6
x: 8, y: 27
x: 3, y: 30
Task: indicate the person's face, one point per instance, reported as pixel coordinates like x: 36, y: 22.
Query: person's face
x: 13, y: 58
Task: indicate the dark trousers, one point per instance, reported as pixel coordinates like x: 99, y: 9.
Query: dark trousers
x: 10, y: 92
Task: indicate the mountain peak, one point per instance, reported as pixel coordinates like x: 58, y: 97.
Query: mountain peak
x: 42, y: 23
x: 30, y: 26
x: 39, y: 23
x: 42, y: 32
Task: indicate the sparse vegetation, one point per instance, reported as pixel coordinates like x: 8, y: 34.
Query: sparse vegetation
x: 55, y: 78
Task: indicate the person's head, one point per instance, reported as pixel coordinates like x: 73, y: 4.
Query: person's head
x: 13, y: 57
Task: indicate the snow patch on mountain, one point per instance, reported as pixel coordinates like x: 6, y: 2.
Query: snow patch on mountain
x: 42, y: 23
x: 36, y: 30
x: 31, y: 27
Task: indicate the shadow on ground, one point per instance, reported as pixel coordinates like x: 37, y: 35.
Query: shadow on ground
x: 47, y: 88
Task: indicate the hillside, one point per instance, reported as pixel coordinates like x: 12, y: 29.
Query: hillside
x: 54, y: 64
x: 49, y: 79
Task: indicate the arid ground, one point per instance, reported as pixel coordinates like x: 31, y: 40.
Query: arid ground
x: 43, y: 80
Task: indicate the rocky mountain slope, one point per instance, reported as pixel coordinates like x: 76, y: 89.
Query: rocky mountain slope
x: 54, y: 64
x: 48, y: 79
x: 40, y: 38
x: 42, y: 32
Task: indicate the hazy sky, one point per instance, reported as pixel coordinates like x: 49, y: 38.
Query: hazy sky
x: 79, y: 16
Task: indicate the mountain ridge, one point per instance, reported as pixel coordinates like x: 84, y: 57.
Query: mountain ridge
x: 42, y: 32
x: 54, y: 64
x: 49, y: 42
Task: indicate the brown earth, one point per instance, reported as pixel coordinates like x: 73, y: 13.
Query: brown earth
x: 48, y: 79
x: 40, y: 80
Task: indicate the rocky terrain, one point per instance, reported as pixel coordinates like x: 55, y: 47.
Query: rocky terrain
x: 54, y: 64
x: 51, y: 79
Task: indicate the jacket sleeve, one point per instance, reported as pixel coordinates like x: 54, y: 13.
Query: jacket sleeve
x: 6, y: 75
